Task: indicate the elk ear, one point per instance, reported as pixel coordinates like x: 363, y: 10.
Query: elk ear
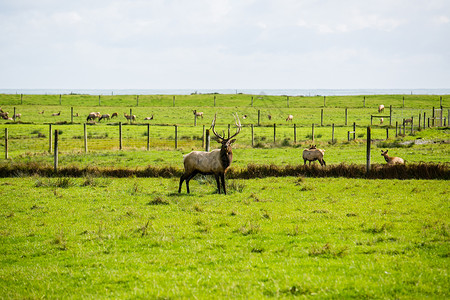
x: 232, y: 141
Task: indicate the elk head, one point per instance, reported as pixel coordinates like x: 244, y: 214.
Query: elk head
x: 226, y: 150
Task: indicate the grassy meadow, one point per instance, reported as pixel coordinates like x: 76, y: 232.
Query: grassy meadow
x: 105, y: 237
x: 276, y: 237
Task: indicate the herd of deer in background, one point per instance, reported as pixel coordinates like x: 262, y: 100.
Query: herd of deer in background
x: 216, y: 162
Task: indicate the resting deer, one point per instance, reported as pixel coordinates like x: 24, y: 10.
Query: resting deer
x: 391, y: 160
x: 214, y: 163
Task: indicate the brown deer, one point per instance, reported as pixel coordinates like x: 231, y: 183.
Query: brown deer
x: 391, y: 160
x: 214, y: 163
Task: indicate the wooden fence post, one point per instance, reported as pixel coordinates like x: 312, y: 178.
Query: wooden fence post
x: 176, y: 136
x: 354, y: 131
x: 259, y: 116
x: 208, y: 140
x: 396, y: 128
x: 60, y: 101
x: 195, y: 119
x: 387, y: 133
x: 50, y: 135
x: 412, y: 125
x: 287, y: 100
x: 369, y: 140
x: 312, y: 131
x: 214, y: 101
x: 148, y: 137
x: 403, y: 101
x: 252, y: 102
x: 14, y: 115
x: 85, y: 138
x: 21, y: 99
x: 364, y: 102
x: 295, y: 133
x: 253, y: 137
x: 56, y: 151
x: 321, y: 117
x: 203, y: 137
x: 274, y: 133
x: 120, y: 135
x: 71, y: 115
x: 137, y: 100
x: 173, y: 101
x: 99, y: 100
x: 424, y: 120
x: 6, y: 143
x: 324, y: 101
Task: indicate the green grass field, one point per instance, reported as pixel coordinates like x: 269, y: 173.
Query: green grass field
x: 275, y: 237
x: 105, y: 237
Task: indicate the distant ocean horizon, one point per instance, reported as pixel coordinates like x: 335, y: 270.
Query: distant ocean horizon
x: 272, y: 92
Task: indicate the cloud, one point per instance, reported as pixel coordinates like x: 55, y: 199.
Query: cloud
x: 224, y: 43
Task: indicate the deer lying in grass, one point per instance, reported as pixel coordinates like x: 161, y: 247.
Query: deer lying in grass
x: 313, y: 154
x: 380, y: 108
x: 149, y: 118
x: 214, y: 163
x: 56, y: 114
x: 391, y: 160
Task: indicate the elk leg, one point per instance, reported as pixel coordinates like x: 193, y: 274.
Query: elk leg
x: 222, y: 177
x: 189, y: 178
x: 218, y: 182
x: 182, y: 178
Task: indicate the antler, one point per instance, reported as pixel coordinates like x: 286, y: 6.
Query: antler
x: 238, y: 124
x: 213, y: 124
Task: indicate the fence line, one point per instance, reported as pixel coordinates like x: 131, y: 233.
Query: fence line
x: 257, y: 136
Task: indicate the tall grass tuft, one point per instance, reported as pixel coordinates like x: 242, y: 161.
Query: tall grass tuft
x: 378, y: 171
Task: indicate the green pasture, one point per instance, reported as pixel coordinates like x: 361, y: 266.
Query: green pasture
x: 276, y: 237
x: 102, y: 237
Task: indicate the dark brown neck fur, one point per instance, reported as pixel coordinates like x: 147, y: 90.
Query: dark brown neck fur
x: 226, y: 156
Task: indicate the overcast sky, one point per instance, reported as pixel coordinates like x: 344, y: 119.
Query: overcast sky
x: 230, y: 44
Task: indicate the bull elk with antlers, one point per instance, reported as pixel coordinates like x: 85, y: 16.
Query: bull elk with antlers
x: 214, y: 163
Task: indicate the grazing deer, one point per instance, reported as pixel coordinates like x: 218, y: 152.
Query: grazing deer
x: 391, y: 160
x: 198, y: 113
x: 270, y: 117
x: 214, y: 163
x: 380, y: 108
x: 289, y: 118
x: 114, y: 115
x: 130, y: 118
x: 407, y: 121
x: 93, y: 116
x: 381, y: 120
x: 105, y: 116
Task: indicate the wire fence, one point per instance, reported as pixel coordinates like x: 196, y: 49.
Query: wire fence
x: 29, y: 139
